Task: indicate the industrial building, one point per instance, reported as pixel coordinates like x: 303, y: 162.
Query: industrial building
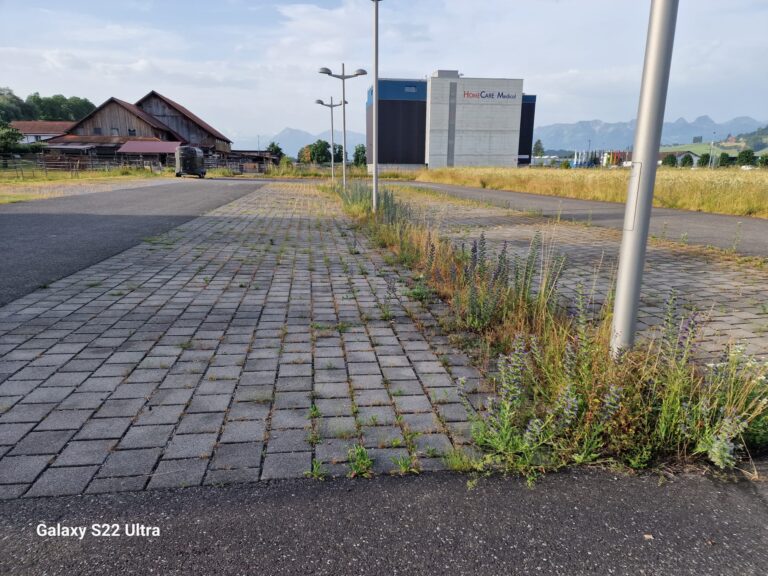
x: 451, y: 120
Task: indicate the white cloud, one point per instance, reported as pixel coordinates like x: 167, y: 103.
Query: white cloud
x: 252, y: 68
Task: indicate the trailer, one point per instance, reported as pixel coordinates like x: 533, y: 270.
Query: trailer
x: 189, y: 160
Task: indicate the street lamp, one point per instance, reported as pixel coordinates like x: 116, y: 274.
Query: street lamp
x: 375, y: 111
x: 637, y: 216
x: 331, y: 106
x: 343, y: 77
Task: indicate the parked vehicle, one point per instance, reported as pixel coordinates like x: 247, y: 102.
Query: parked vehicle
x: 189, y: 160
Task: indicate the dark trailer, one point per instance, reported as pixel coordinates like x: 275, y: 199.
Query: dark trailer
x: 190, y: 160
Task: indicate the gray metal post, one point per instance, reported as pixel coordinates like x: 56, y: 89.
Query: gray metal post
x: 333, y: 175
x: 343, y: 128
x: 375, y: 119
x: 650, y: 116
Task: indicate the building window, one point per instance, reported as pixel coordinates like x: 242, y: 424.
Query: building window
x: 114, y: 132
x: 38, y: 138
x: 97, y: 131
x: 131, y: 131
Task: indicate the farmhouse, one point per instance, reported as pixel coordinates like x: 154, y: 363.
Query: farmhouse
x: 40, y: 130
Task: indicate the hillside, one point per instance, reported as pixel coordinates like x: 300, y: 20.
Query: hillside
x: 619, y: 135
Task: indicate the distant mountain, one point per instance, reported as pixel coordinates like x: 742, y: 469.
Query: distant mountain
x: 292, y: 140
x: 620, y: 135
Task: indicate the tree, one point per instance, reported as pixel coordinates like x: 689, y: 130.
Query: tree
x: 79, y: 108
x: 338, y: 153
x: 305, y: 155
x: 669, y: 160
x: 320, y: 152
x: 359, y: 159
x: 538, y: 148
x: 275, y: 150
x: 725, y: 160
x: 686, y: 161
x: 13, y: 108
x: 762, y: 160
x: 746, y: 157
x: 9, y: 137
x: 704, y: 160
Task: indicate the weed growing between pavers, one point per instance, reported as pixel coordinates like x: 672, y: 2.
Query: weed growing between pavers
x: 560, y: 398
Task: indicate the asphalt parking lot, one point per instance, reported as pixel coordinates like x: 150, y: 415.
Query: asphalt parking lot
x: 45, y: 240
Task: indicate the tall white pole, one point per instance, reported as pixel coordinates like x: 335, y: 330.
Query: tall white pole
x: 637, y: 216
x: 343, y: 128
x: 375, y: 115
x: 333, y: 175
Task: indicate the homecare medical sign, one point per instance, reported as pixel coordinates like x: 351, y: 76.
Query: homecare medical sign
x: 488, y: 95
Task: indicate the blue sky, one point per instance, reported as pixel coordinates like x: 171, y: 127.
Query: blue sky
x: 249, y: 68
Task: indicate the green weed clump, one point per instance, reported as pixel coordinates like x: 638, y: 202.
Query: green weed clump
x: 560, y: 398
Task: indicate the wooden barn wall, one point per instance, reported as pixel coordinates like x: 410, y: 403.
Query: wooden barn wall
x: 115, y: 116
x: 179, y: 123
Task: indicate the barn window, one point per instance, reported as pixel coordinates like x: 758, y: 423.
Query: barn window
x: 114, y: 132
x: 131, y: 131
x: 97, y: 131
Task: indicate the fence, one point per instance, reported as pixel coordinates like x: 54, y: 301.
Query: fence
x: 23, y: 166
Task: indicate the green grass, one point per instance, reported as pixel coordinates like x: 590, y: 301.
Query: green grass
x: 561, y: 399
x: 360, y: 462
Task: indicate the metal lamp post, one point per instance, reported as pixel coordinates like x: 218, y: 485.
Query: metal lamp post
x: 375, y: 110
x: 343, y: 77
x: 331, y: 106
x: 637, y: 216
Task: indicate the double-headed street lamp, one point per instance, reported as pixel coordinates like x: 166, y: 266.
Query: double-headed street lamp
x: 343, y: 77
x: 331, y: 106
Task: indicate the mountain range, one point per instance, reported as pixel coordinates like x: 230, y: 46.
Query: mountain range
x: 596, y: 134
x: 292, y: 140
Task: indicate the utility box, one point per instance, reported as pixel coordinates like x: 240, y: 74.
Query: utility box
x: 189, y: 160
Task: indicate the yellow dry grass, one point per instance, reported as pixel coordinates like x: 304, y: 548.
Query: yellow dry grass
x: 723, y: 191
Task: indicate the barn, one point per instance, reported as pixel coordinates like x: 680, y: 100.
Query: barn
x: 150, y: 129
x: 192, y: 129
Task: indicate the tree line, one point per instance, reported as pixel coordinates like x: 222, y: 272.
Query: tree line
x: 320, y: 153
x: 745, y: 157
x: 36, y: 107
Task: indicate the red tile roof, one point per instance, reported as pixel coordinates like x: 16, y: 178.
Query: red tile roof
x: 196, y: 119
x: 41, y: 126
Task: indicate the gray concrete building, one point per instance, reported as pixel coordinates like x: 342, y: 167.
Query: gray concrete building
x: 472, y: 121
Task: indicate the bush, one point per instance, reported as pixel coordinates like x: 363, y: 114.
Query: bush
x: 669, y: 160
x: 561, y: 398
x: 686, y: 161
x: 746, y: 158
x: 725, y: 160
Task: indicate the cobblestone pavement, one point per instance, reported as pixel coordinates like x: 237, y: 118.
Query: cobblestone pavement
x: 239, y: 346
x: 732, y: 298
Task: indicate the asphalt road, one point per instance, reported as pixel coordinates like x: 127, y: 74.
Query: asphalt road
x: 585, y: 522
x: 748, y: 236
x: 45, y: 240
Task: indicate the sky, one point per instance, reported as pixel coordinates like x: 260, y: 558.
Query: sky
x: 250, y: 67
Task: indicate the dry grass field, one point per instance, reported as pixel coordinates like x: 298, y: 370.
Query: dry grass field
x: 40, y: 186
x: 722, y: 191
